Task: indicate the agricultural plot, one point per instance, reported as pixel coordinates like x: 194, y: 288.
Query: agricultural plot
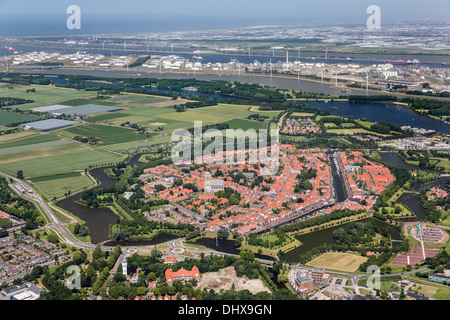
x: 147, y: 100
x: 34, y: 146
x: 191, y: 116
x: 246, y: 124
x: 43, y: 96
x: 7, y: 117
x: 81, y: 102
x: 7, y: 138
x: 106, y: 134
x: 58, y: 186
x: 56, y: 160
x: 25, y: 138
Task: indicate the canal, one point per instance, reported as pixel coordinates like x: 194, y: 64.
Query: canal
x: 317, y: 238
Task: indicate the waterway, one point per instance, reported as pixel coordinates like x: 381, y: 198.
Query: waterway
x: 98, y: 220
x: 373, y: 112
x: 411, y: 199
x: 431, y: 61
x: 314, y: 239
x: 226, y: 246
x: 395, y: 160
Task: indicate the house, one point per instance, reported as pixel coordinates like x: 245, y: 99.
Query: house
x: 182, y: 274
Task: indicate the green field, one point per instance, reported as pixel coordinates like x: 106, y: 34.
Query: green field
x: 44, y: 95
x: 61, y: 159
x: 60, y: 185
x: 34, y: 146
x: 7, y: 117
x: 246, y: 124
x: 80, y: 102
x: 107, y: 134
x: 22, y: 139
x: 352, y: 131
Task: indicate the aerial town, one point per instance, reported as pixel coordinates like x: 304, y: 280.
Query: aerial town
x: 109, y: 189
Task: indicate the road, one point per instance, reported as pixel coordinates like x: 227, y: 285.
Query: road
x: 27, y: 192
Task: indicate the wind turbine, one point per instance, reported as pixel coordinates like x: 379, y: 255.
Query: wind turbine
x: 271, y: 67
x: 367, y: 81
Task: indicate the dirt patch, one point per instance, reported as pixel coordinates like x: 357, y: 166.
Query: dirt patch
x: 158, y: 124
x: 226, y: 278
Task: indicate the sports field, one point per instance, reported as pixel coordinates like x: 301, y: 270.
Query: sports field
x: 341, y: 261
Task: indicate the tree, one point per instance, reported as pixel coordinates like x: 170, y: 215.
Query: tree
x: 402, y: 294
x: 98, y: 253
x: 222, y: 233
x: 20, y: 174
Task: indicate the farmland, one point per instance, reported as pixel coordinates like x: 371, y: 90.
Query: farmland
x: 106, y: 134
x: 58, y: 186
x: 57, y: 160
x: 11, y: 117
x: 44, y: 95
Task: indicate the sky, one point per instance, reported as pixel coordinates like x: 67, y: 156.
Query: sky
x: 40, y: 17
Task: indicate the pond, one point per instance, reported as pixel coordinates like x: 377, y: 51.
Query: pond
x: 226, y: 246
x: 98, y: 220
x: 395, y: 160
x: 314, y: 239
x: 161, y: 238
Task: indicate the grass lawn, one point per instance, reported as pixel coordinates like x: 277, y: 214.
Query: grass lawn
x: 446, y: 221
x: 426, y: 290
x: 442, y: 294
x: 442, y: 163
x: 347, y: 262
x: 58, y: 186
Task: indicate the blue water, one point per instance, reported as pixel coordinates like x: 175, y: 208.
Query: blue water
x: 374, y: 112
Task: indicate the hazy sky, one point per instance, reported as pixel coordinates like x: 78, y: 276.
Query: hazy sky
x: 49, y: 16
